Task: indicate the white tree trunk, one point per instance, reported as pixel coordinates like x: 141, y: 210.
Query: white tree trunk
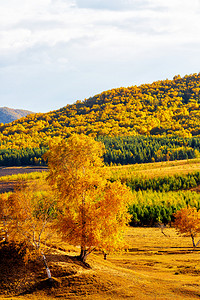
x: 46, y: 266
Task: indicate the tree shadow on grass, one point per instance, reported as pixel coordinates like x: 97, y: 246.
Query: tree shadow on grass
x: 18, y: 278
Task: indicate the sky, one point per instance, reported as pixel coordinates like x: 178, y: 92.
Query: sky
x: 54, y: 52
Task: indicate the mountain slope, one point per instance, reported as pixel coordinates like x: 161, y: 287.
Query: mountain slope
x: 168, y: 107
x: 8, y: 115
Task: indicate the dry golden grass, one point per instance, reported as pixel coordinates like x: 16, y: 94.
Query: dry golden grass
x: 156, y: 266
x: 167, y: 168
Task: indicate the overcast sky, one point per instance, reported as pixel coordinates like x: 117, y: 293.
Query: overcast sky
x: 54, y: 52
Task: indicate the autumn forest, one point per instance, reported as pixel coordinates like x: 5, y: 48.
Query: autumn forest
x: 138, y: 124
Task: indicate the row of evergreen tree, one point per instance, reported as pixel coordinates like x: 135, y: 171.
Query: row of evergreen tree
x: 151, y: 208
x: 22, y: 157
x: 164, y: 184
x: 157, y: 199
x: 145, y: 149
x: 119, y: 150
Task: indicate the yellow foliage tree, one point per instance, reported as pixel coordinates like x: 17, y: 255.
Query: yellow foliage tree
x: 5, y: 217
x: 33, y: 209
x: 187, y: 222
x: 93, y: 210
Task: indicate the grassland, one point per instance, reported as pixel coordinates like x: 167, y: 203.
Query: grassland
x: 154, y: 266
x: 150, y: 170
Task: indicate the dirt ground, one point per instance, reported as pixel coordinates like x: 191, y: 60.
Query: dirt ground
x: 8, y: 186
x: 4, y: 171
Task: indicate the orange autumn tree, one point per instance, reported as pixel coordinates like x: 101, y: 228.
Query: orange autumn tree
x: 32, y: 213
x: 187, y: 222
x: 93, y: 211
x: 5, y: 217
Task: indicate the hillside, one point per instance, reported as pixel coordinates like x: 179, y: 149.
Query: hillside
x: 156, y: 266
x: 8, y: 115
x: 168, y: 107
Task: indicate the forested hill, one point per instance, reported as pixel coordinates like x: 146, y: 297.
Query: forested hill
x: 8, y: 115
x: 168, y: 107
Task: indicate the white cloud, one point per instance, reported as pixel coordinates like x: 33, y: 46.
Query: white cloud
x: 93, y: 44
x: 50, y: 23
x: 110, y: 5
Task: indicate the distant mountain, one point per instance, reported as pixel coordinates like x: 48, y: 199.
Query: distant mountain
x: 8, y: 115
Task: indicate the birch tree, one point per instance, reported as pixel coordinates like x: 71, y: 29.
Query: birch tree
x: 93, y: 211
x: 33, y: 209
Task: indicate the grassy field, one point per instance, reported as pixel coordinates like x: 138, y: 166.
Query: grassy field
x: 146, y: 170
x: 155, y: 266
x: 150, y: 170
